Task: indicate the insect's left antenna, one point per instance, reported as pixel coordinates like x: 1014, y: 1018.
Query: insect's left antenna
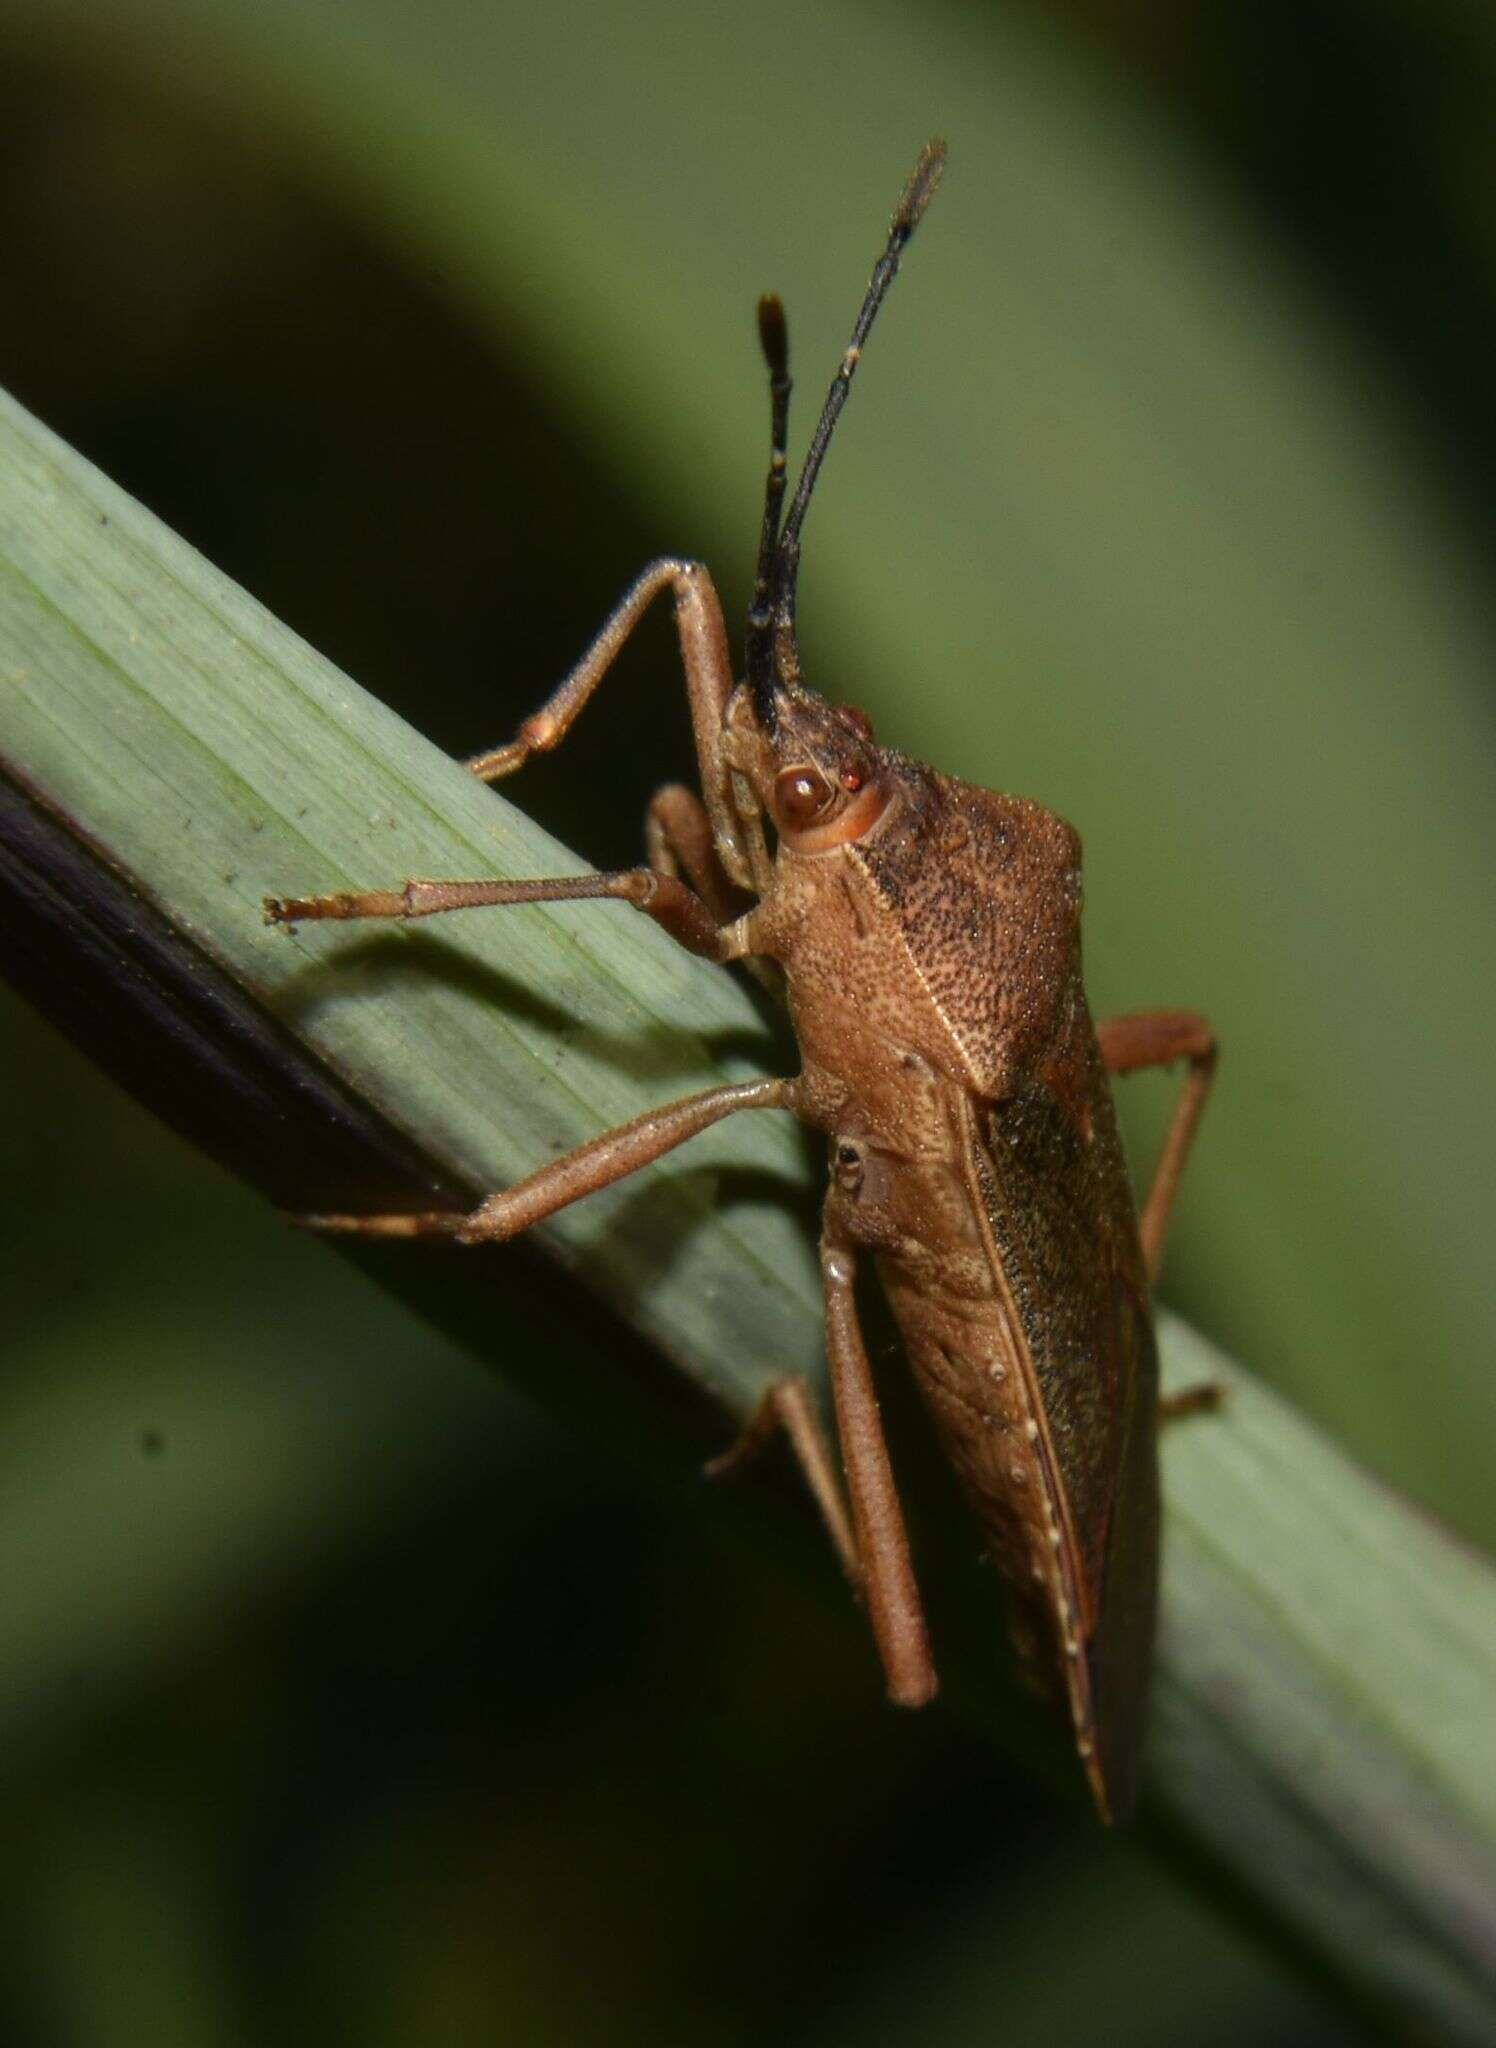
x: 774, y: 339
x: 916, y: 196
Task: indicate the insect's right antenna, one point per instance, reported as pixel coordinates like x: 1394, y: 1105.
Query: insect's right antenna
x: 774, y: 339
x: 916, y: 196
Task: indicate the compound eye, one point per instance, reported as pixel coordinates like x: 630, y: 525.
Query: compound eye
x: 859, y: 721
x: 801, y: 795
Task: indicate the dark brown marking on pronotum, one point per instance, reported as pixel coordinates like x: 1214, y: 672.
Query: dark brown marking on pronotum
x: 926, y: 935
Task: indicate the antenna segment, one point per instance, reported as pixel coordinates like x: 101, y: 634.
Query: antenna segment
x: 917, y: 194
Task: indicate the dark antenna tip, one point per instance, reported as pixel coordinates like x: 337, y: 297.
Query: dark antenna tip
x: 774, y: 337
x: 924, y: 183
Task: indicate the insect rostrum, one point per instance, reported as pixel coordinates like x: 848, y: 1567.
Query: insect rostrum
x: 928, y: 937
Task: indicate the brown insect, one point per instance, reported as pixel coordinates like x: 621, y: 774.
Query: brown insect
x: 927, y: 934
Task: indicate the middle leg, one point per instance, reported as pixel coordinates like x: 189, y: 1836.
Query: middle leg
x: 597, y: 1164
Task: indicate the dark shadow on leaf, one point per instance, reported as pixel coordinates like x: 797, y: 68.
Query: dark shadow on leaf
x: 383, y: 963
x: 657, y: 1218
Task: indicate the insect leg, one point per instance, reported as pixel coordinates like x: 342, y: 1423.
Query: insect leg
x: 597, y: 1164
x: 1202, y: 1399
x: 1156, y: 1038
x: 707, y: 661
x: 663, y: 897
x: 678, y: 836
x: 788, y: 1405
x: 892, y: 1595
x: 678, y: 842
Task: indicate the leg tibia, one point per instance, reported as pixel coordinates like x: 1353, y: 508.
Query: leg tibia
x: 597, y: 1164
x: 660, y: 896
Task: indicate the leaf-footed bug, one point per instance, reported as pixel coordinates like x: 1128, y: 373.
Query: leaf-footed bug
x: 927, y: 934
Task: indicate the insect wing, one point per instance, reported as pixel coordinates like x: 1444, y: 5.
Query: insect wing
x: 1052, y: 1183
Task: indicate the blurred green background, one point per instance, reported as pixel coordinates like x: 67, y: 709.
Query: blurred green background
x: 1165, y: 497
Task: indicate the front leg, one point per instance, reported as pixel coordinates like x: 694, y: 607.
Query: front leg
x: 707, y: 662
x: 665, y: 898
x: 678, y: 842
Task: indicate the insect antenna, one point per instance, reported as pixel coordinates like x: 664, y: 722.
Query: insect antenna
x: 774, y: 339
x: 917, y: 194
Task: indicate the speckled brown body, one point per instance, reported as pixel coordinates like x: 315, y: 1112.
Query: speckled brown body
x: 933, y: 971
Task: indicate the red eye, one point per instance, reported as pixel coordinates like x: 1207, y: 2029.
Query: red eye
x: 859, y: 721
x: 800, y: 796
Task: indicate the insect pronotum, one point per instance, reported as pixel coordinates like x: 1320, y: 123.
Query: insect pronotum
x: 927, y: 934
